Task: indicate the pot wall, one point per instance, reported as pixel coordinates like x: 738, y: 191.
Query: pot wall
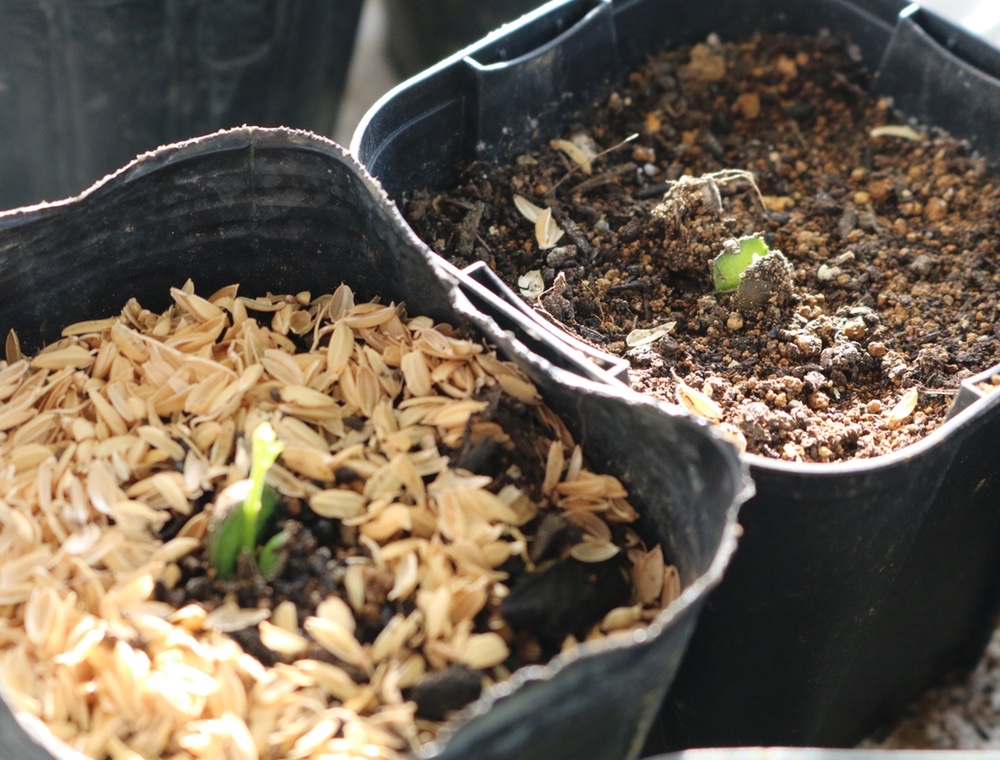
x: 422, y: 32
x: 88, y: 84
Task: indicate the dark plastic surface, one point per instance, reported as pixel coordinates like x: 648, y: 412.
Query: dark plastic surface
x: 969, y: 392
x: 946, y: 77
x: 856, y: 584
x: 536, y: 332
x: 285, y: 211
x: 86, y: 85
x: 422, y: 32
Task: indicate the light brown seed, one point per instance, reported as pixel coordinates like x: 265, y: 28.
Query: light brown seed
x: 285, y: 615
x: 354, y: 585
x: 435, y: 605
x: 335, y: 681
x: 527, y: 209
x: 596, y: 527
x: 369, y: 390
x: 520, y: 388
x: 12, y: 348
x: 455, y: 414
x: 416, y: 373
x: 282, y: 367
x: 337, y: 503
x: 593, y: 551
x: 388, y: 522
x: 282, y: 642
x: 547, y: 231
x: 903, y: 408
x: 368, y: 315
x: 176, y: 548
x: 392, y: 639
x: 200, y: 308
x: 336, y: 609
x: 647, y: 575
x: 27, y: 457
x: 308, y: 462
x: 338, y: 641
x: 88, y: 326
x: 553, y: 467
x: 77, y: 357
x: 191, y: 617
x: 307, y: 398
x: 12, y: 416
x: 575, y: 153
x: 621, y: 617
x: 698, y: 403
x: 406, y: 577
x: 595, y: 485
x: 484, y: 650
x: 228, y: 618
x: 671, y: 585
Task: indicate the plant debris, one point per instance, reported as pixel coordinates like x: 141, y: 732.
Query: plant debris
x: 432, y: 508
x: 888, y: 281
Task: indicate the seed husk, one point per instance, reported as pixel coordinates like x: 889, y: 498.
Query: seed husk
x: 547, y: 231
x: 373, y: 416
x: 575, y: 153
x: 903, y: 408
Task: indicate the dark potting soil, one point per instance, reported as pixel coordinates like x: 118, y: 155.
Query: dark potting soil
x: 890, y: 235
x: 557, y: 598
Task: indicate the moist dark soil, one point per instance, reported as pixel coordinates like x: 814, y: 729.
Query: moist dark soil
x: 891, y: 240
x: 559, y: 597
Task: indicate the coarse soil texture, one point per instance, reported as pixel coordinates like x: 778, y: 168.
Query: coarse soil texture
x: 851, y: 344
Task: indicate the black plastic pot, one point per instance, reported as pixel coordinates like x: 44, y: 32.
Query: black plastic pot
x: 856, y: 584
x: 422, y: 32
x: 283, y: 211
x: 86, y: 85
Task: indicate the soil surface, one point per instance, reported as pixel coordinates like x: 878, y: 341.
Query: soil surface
x: 315, y: 557
x: 852, y: 348
x: 557, y: 597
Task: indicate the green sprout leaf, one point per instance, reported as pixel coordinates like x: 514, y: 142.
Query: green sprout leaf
x: 736, y: 256
x: 226, y: 543
x: 266, y: 449
x: 244, y: 509
x: 272, y: 558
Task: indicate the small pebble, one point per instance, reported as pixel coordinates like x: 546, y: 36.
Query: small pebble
x: 826, y: 273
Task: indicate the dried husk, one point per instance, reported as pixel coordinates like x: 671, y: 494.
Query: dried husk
x: 128, y: 422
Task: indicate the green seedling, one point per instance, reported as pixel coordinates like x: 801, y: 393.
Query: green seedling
x: 272, y: 558
x: 243, y: 510
x: 736, y: 256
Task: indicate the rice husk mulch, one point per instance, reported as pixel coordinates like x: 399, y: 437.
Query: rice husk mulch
x: 427, y: 489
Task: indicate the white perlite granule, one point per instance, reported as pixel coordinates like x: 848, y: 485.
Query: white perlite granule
x: 965, y: 715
